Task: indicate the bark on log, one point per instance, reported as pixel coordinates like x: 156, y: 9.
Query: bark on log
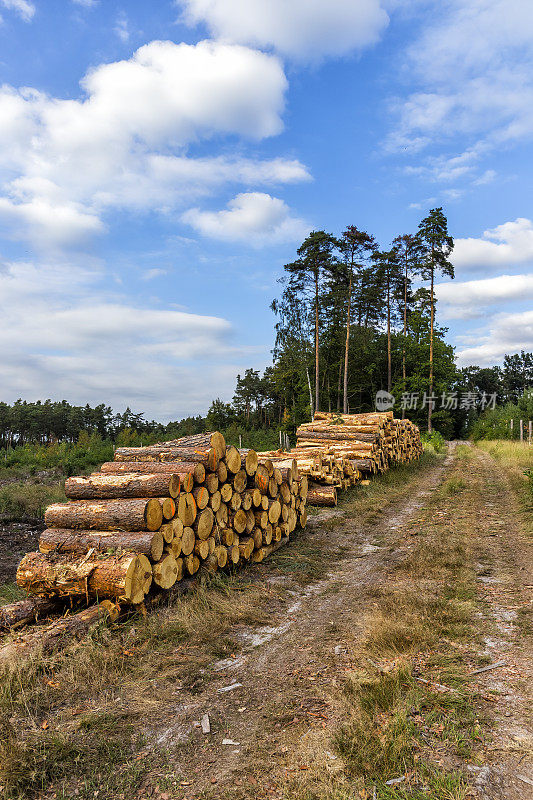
x: 106, y: 515
x: 58, y: 634
x: 206, y: 456
x: 127, y: 577
x: 183, y: 469
x: 64, y: 540
x: 106, y: 487
x: 15, y: 615
x: 212, y: 439
x: 321, y: 495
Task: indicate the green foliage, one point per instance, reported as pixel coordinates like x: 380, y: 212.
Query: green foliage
x: 435, y: 440
x: 21, y: 499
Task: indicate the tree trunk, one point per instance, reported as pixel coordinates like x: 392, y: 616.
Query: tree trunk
x: 233, y: 460
x: 203, y: 524
x: 106, y: 515
x: 63, y: 540
x: 347, y: 348
x: 59, y: 633
x: 122, y: 486
x: 389, y: 355
x: 15, y: 615
x: 165, y: 571
x: 202, y: 455
x: 404, y: 374
x: 127, y: 577
x: 187, y: 508
x: 317, y: 386
x: 430, y: 404
x: 318, y: 495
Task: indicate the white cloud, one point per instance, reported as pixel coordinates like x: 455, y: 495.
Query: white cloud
x: 509, y: 333
x: 472, y: 70
x: 125, y: 144
x: 252, y: 217
x: 301, y: 29
x: 467, y: 299
x: 23, y: 8
x: 150, y: 274
x: 122, y: 27
x: 500, y: 247
x: 86, y: 3
x: 63, y: 335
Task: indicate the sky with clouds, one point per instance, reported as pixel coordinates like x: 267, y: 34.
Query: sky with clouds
x: 160, y: 162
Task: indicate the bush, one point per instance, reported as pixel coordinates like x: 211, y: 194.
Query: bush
x: 29, y: 499
x: 435, y: 440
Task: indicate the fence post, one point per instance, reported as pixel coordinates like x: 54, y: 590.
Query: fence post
x: 240, y: 442
x: 512, y: 427
x: 530, y: 432
x: 521, y: 430
x: 280, y: 442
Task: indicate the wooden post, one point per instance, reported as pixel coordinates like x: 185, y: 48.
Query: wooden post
x: 521, y: 430
x: 530, y: 432
x: 240, y: 442
x: 512, y: 427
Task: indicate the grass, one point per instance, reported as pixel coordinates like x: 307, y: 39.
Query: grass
x: 21, y: 500
x: 9, y: 593
x: 516, y: 461
x: 75, y: 695
x: 421, y: 634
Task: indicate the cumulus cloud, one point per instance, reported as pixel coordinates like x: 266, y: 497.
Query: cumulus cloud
x: 510, y: 333
x: 472, y: 70
x: 301, y: 29
x: 503, y: 246
x: 23, y: 8
x: 75, y: 340
x: 125, y: 143
x: 463, y: 300
x: 252, y: 217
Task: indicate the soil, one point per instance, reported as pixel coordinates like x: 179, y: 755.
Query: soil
x: 16, y: 539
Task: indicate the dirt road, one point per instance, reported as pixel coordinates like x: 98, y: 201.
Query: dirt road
x: 274, y: 706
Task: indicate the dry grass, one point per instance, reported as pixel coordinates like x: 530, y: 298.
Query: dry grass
x: 423, y: 624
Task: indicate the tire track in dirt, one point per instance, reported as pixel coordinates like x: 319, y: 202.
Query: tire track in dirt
x: 282, y: 670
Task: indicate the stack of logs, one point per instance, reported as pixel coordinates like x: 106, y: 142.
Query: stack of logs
x: 336, y: 451
x: 158, y: 513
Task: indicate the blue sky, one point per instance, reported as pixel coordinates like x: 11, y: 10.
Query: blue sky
x: 160, y: 162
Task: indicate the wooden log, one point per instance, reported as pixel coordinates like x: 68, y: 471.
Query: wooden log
x: 201, y: 495
x: 249, y: 461
x: 168, y: 507
x: 234, y: 554
x: 256, y: 498
x: 187, y: 508
x: 203, y: 524
x: 226, y: 492
x: 212, y: 544
x: 321, y: 495
x: 233, y: 459
x: 167, y: 532
x: 201, y: 548
x: 189, y: 473
x: 261, y: 519
x: 235, y: 502
x: 239, y: 481
x: 303, y: 518
x: 250, y: 521
x: 53, y: 637
x: 262, y: 478
x: 237, y: 521
x: 221, y: 555
x: 165, y: 571
x: 192, y: 564
x: 246, y: 547
x: 222, y: 473
x: 202, y: 455
x: 215, y: 500
x: 274, y: 511
x: 211, y: 482
x: 127, y: 577
x: 212, y: 439
x: 246, y: 501
x: 257, y: 536
x: 23, y: 612
x: 105, y: 487
x: 106, y: 515
x: 273, y: 488
x: 188, y: 541
x: 227, y: 537
x: 221, y: 515
x: 65, y: 540
x: 174, y: 547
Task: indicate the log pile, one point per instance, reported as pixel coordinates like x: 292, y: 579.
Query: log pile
x: 157, y: 514
x: 336, y: 451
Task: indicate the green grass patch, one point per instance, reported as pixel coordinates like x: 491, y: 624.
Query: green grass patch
x: 21, y: 499
x: 10, y: 593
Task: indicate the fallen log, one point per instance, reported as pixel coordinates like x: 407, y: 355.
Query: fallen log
x: 127, y: 577
x: 318, y: 495
x: 195, y: 470
x: 15, y: 615
x: 58, y: 634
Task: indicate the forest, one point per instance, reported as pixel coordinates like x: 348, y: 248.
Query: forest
x: 351, y: 319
